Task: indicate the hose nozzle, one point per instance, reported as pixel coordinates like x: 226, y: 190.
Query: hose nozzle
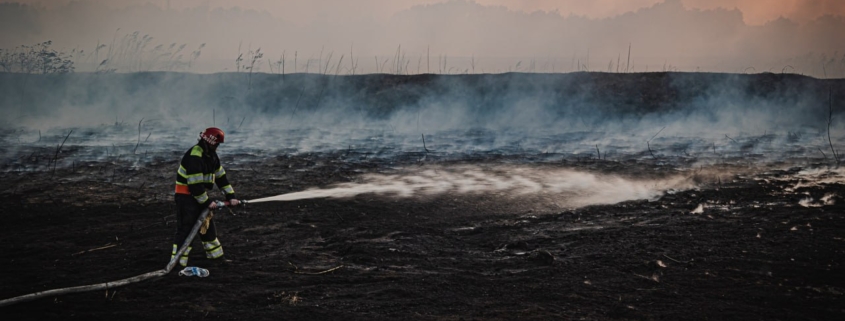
x: 227, y: 204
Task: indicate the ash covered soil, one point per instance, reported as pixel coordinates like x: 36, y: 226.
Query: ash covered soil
x: 758, y: 231
x: 752, y: 252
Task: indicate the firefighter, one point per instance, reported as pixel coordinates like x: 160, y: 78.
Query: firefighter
x: 199, y: 170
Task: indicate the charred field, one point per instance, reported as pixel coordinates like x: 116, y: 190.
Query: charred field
x: 432, y: 197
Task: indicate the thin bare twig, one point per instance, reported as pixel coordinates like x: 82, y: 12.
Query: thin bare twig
x: 423, y: 138
x: 648, y: 142
x: 658, y: 133
x: 95, y: 249
x: 674, y: 260
x: 59, y: 150
x: 829, y: 120
x: 139, y: 137
x: 318, y: 273
x: 653, y: 278
x: 649, y: 150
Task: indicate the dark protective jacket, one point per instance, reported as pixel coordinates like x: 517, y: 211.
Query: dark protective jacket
x: 198, y: 171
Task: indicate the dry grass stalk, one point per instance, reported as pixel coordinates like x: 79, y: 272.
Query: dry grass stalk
x: 95, y: 249
x: 829, y: 120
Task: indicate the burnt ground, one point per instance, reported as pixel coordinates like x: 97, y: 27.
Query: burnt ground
x: 83, y: 213
x: 753, y: 253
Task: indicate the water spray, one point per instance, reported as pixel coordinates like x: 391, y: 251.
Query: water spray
x: 567, y: 187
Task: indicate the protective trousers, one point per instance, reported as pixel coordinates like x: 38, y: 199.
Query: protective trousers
x: 187, y: 213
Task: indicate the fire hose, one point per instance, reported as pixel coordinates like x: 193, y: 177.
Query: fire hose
x: 118, y: 283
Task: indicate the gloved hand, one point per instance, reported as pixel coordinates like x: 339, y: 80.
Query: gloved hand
x: 234, y: 202
x: 212, y: 205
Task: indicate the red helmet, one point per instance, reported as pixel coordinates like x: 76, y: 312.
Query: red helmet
x: 212, y: 135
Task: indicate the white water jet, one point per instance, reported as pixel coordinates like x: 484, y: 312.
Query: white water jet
x: 568, y: 188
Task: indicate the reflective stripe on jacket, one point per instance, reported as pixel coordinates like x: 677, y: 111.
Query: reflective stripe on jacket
x: 198, y: 172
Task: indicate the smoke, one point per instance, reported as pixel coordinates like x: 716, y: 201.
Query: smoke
x: 561, y: 116
x: 566, y: 188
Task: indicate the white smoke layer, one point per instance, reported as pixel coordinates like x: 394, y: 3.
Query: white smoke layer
x: 766, y: 118
x: 567, y: 188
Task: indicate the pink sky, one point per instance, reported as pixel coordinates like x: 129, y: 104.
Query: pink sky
x: 664, y: 34
x: 755, y: 12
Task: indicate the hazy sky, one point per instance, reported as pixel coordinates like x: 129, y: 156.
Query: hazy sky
x: 755, y: 12
x: 448, y: 36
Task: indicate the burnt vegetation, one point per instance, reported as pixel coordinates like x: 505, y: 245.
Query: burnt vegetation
x: 757, y: 236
